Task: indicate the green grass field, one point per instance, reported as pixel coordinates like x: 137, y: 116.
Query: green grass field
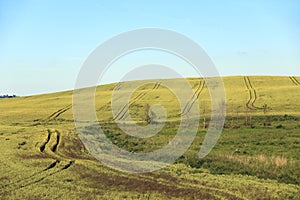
x: 256, y: 157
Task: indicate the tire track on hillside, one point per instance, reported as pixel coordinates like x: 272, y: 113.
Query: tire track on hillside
x: 294, y: 80
x: 255, y: 94
x: 57, y: 113
x: 64, y: 167
x: 194, y: 98
x: 43, y: 146
x: 52, y: 165
x: 52, y: 141
x: 252, y: 95
x: 48, y: 173
x: 57, y: 140
x: 49, y: 146
x: 118, y: 86
x: 124, y: 112
x: 156, y: 86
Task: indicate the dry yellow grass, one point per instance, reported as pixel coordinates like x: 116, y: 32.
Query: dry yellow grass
x: 278, y: 161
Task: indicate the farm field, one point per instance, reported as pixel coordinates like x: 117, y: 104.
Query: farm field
x: 256, y: 157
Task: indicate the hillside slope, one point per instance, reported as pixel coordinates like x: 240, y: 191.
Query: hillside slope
x: 43, y: 158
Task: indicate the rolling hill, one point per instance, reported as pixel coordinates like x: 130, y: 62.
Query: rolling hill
x: 257, y: 155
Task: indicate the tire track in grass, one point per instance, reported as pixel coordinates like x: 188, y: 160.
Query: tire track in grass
x: 43, y: 146
x: 252, y: 95
x: 52, y: 142
x: 42, y: 149
x: 64, y: 167
x: 125, y: 112
x: 255, y: 95
x: 294, y: 80
x: 118, y: 86
x: 156, y: 86
x: 57, y: 113
x: 52, y: 165
x: 194, y: 98
x: 57, y: 140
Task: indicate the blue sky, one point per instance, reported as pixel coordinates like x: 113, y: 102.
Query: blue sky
x: 44, y: 43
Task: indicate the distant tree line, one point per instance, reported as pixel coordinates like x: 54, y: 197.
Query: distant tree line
x: 7, y: 96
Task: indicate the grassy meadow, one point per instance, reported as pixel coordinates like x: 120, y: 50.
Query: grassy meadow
x: 256, y: 157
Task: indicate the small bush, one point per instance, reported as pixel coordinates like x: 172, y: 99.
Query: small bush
x: 279, y: 126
